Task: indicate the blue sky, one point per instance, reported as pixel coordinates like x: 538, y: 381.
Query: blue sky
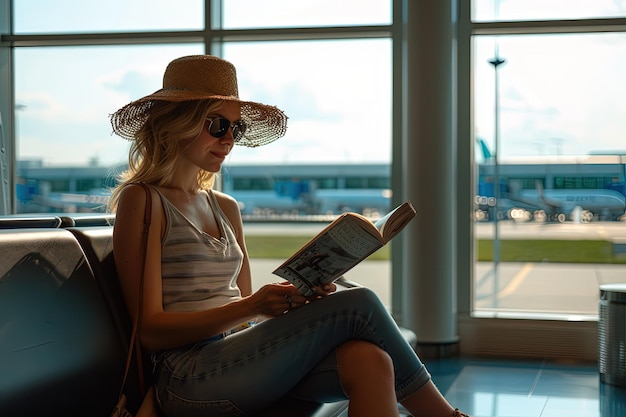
x: 560, y: 95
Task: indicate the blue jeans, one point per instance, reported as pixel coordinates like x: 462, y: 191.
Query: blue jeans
x: 293, y: 354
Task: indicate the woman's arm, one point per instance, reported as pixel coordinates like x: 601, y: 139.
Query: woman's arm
x: 230, y: 207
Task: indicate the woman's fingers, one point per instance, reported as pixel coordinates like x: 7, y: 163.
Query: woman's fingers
x: 323, y: 291
x: 294, y: 299
x: 280, y: 298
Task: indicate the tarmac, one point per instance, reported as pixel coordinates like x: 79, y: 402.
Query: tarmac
x: 522, y: 287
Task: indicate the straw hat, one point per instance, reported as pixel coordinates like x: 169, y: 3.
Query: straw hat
x: 201, y: 77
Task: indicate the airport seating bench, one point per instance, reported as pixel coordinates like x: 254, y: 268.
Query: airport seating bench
x: 64, y: 329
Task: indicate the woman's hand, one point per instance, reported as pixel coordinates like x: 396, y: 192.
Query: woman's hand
x: 323, y: 291
x: 278, y: 298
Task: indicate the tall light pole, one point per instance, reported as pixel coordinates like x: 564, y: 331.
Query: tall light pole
x: 496, y: 61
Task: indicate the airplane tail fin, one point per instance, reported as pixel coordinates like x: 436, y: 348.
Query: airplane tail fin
x: 484, y: 149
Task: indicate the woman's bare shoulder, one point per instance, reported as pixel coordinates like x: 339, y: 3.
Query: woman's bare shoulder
x: 229, y: 205
x: 225, y: 200
x: 133, y: 199
x: 132, y: 195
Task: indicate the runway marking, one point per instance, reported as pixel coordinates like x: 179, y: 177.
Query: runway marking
x: 517, y: 280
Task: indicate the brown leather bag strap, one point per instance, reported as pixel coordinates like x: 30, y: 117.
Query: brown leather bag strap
x: 134, y: 338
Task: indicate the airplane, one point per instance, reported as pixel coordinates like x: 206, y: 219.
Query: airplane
x: 541, y: 204
x: 577, y: 205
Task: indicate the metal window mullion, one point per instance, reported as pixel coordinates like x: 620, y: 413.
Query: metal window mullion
x: 535, y: 27
x: 7, y: 150
x: 241, y: 35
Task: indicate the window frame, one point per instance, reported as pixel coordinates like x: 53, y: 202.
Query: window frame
x: 499, y: 334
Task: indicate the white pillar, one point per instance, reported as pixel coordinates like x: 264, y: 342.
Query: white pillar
x: 430, y: 298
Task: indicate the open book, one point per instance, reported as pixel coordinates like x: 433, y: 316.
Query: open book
x: 340, y: 246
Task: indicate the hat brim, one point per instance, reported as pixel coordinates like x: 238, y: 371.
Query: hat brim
x: 264, y: 123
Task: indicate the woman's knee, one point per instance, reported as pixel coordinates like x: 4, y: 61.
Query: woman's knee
x: 362, y: 293
x: 360, y: 360
x: 360, y: 297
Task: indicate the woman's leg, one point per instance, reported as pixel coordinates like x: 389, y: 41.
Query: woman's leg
x: 367, y: 376
x: 359, y: 366
x: 251, y: 369
x: 428, y: 402
x: 370, y: 323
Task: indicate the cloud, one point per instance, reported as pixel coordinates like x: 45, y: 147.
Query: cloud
x: 133, y: 83
x: 40, y: 106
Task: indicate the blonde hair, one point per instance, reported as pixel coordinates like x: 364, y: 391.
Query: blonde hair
x: 159, y: 144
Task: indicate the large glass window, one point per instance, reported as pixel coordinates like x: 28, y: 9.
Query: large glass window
x: 328, y: 65
x: 339, y: 109
x: 102, y: 56
x: 548, y: 115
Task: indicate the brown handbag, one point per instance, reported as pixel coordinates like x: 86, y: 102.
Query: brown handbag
x: 149, y: 406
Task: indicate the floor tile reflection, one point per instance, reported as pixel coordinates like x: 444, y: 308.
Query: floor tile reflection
x: 499, y: 388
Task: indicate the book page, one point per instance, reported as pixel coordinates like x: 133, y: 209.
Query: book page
x: 329, y: 255
x: 391, y: 224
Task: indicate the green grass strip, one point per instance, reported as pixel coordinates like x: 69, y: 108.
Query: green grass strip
x: 564, y: 251
x: 282, y: 247
x: 567, y: 251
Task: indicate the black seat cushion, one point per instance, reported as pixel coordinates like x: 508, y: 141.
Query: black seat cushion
x: 60, y: 353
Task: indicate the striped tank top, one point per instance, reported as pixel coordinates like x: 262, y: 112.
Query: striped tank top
x: 199, y: 271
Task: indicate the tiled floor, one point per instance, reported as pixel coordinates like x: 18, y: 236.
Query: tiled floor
x: 502, y: 388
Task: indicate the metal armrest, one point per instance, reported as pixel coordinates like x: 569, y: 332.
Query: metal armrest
x: 346, y: 283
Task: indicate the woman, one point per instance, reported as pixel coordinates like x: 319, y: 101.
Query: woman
x: 197, y: 284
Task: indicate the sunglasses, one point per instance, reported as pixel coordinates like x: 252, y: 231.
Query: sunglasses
x: 218, y: 127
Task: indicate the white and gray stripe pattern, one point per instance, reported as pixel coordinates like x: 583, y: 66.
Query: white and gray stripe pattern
x: 199, y: 271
